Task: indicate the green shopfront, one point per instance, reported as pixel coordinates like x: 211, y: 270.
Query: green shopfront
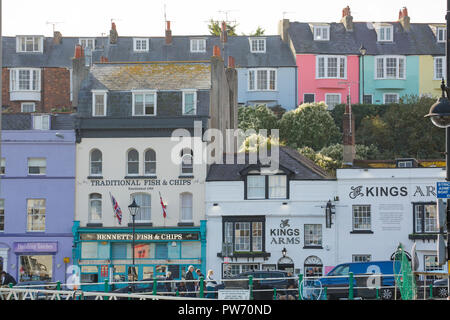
x: 101, y: 254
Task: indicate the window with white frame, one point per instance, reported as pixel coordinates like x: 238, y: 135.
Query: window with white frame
x: 189, y: 102
x: 257, y: 45
x: 150, y: 162
x: 37, y: 166
x: 29, y: 43
x: 144, y: 103
x: 262, y: 79
x: 313, y: 235
x: 441, y: 34
x: 144, y: 201
x: 390, y: 67
x: 25, y: 79
x: 187, y: 161
x: 277, y: 187
x: 256, y: 187
x: 96, y: 163
x: 385, y: 33
x: 390, y: 98
x: 36, y: 215
x: 132, y: 162
x: 2, y: 215
x: 331, y: 67
x: 321, y: 33
x: 99, y: 103
x: 425, y: 218
x: 332, y: 99
x: 361, y: 258
x: 41, y: 122
x: 140, y: 44
x: 198, y: 45
x: 95, y: 207
x: 2, y: 166
x: 439, y: 68
x: 87, y: 43
x: 361, y: 218
x: 28, y: 107
x: 186, y: 207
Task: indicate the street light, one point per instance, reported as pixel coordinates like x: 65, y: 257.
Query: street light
x: 363, y: 52
x: 283, y: 252
x: 134, y: 210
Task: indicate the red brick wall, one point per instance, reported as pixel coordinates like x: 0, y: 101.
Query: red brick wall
x: 55, y: 91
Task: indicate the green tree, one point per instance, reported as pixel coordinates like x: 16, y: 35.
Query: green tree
x: 259, y: 32
x: 310, y: 125
x: 215, y: 28
x: 256, y: 117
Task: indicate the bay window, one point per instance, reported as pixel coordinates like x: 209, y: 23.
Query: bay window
x: 331, y: 67
x: 25, y: 79
x: 390, y: 67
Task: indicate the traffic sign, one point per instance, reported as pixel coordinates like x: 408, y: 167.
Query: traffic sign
x: 443, y: 190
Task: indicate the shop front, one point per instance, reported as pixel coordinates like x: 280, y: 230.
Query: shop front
x: 107, y: 253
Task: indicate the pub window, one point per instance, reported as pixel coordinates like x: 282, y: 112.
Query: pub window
x: 96, y: 163
x: 150, y: 162
x: 132, y: 162
x: 425, y: 218
x: 233, y: 269
x: 361, y: 218
x: 186, y: 206
x: 313, y: 235
x: 277, y: 187
x: 36, y: 214
x: 245, y: 235
x: 144, y: 201
x: 256, y: 187
x: 313, y: 267
x: 95, y: 207
x: 267, y: 187
x: 187, y: 162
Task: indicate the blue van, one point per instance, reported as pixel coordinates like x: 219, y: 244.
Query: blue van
x: 363, y: 281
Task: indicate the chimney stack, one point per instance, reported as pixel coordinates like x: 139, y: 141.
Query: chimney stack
x: 57, y: 37
x: 349, y: 136
x: 283, y: 26
x: 103, y: 59
x: 404, y: 19
x: 168, y: 33
x: 216, y: 51
x: 224, y: 33
x: 347, y: 19
x: 231, y: 62
x: 113, y: 35
x: 79, y: 52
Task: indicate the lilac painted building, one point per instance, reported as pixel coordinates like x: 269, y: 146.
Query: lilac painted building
x: 37, y: 190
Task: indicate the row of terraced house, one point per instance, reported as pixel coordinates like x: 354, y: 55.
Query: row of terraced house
x: 90, y: 121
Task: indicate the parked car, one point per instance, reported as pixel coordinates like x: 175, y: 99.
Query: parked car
x: 440, y: 288
x: 337, y: 281
x: 281, y: 283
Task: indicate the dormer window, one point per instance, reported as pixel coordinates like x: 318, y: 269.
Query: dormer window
x: 385, y: 33
x: 29, y: 43
x: 140, y: 44
x: 441, y: 34
x: 87, y: 43
x: 99, y: 103
x: 266, y: 186
x: 198, y: 45
x: 321, y: 33
x: 257, y: 45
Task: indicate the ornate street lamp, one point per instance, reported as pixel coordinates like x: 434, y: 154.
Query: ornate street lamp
x: 283, y: 252
x: 134, y: 210
x: 363, y: 52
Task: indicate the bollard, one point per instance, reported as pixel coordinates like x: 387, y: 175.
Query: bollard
x: 350, y: 283
x: 10, y: 285
x: 274, y: 293
x: 300, y: 285
x: 106, y: 289
x: 178, y: 293
x: 202, y: 293
x: 58, y: 287
x: 155, y: 285
x: 250, y: 286
x: 431, y: 291
x: 378, y: 293
x: 325, y: 290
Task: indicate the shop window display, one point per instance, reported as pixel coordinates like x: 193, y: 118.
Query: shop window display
x: 35, y: 268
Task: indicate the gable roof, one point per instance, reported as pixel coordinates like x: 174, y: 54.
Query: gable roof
x: 301, y: 167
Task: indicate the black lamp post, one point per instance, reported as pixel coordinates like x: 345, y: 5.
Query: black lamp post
x: 363, y: 52
x: 283, y: 252
x: 134, y: 209
x: 440, y: 116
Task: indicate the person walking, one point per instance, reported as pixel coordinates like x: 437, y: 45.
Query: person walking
x: 210, y: 285
x: 190, y: 285
x: 6, y: 279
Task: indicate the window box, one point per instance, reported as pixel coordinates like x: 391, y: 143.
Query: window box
x: 185, y: 224
x: 361, y: 232
x: 312, y: 247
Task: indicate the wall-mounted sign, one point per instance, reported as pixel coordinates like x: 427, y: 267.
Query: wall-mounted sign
x: 140, y: 182
x: 391, y: 191
x: 139, y: 236
x: 228, y: 294
x: 35, y: 246
x: 285, y: 234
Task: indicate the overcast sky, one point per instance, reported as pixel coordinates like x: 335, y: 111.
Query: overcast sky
x: 138, y: 17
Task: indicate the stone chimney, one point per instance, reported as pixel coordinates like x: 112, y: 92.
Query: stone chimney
x: 349, y: 136
x: 113, y: 35
x: 347, y: 19
x: 224, y: 33
x: 283, y: 26
x: 57, y: 37
x: 79, y: 72
x: 404, y: 19
x: 168, y: 33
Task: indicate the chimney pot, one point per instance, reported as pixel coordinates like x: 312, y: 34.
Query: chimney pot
x: 79, y: 53
x: 347, y: 19
x: 113, y: 35
x: 216, y: 51
x: 404, y: 19
x: 231, y: 62
x: 168, y: 33
x: 346, y: 12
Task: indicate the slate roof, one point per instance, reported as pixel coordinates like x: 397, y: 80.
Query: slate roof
x: 23, y: 121
x: 302, y: 168
x: 419, y: 40
x: 158, y: 76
